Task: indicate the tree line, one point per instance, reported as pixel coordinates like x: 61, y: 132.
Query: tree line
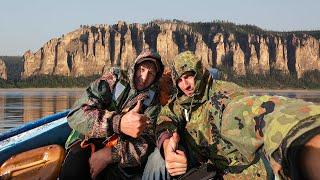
x: 273, y: 80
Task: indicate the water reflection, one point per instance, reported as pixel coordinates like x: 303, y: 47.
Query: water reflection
x: 18, y: 106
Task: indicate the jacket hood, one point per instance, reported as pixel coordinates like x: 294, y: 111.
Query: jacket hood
x: 184, y: 62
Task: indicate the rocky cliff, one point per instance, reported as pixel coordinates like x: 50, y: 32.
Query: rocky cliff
x: 3, y: 70
x: 92, y: 49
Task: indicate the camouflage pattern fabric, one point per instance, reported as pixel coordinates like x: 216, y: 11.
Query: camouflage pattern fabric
x: 223, y: 125
x: 97, y: 114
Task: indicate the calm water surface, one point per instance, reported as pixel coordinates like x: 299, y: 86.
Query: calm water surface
x: 18, y: 106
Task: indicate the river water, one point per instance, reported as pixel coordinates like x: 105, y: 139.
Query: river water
x: 18, y: 106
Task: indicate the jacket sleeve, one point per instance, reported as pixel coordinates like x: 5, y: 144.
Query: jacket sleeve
x: 92, y: 115
x: 165, y: 125
x: 130, y: 152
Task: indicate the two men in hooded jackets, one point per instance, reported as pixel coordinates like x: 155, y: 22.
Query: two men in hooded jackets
x: 208, y: 121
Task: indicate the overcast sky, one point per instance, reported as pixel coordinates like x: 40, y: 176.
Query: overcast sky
x: 29, y: 24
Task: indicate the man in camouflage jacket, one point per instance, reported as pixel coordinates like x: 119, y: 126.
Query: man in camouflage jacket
x: 116, y: 115
x: 244, y: 137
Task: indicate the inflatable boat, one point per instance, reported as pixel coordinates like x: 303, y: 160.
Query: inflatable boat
x: 34, y: 149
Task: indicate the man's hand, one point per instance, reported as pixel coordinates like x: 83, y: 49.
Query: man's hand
x: 133, y: 123
x: 176, y: 160
x: 99, y: 160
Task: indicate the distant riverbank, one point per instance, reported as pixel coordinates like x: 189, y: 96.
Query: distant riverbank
x: 285, y: 90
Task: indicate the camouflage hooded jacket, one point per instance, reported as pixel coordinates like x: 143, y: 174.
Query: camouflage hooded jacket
x: 98, y: 112
x: 221, y: 123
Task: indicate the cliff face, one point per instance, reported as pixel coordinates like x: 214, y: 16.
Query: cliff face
x: 3, y: 70
x: 91, y: 50
x: 306, y: 54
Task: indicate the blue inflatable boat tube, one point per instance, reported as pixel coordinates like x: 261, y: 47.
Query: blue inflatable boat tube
x: 33, y: 124
x: 53, y: 129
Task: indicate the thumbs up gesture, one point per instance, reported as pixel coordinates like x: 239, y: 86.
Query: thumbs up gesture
x: 173, y: 142
x: 133, y: 123
x: 137, y: 108
x: 176, y: 160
